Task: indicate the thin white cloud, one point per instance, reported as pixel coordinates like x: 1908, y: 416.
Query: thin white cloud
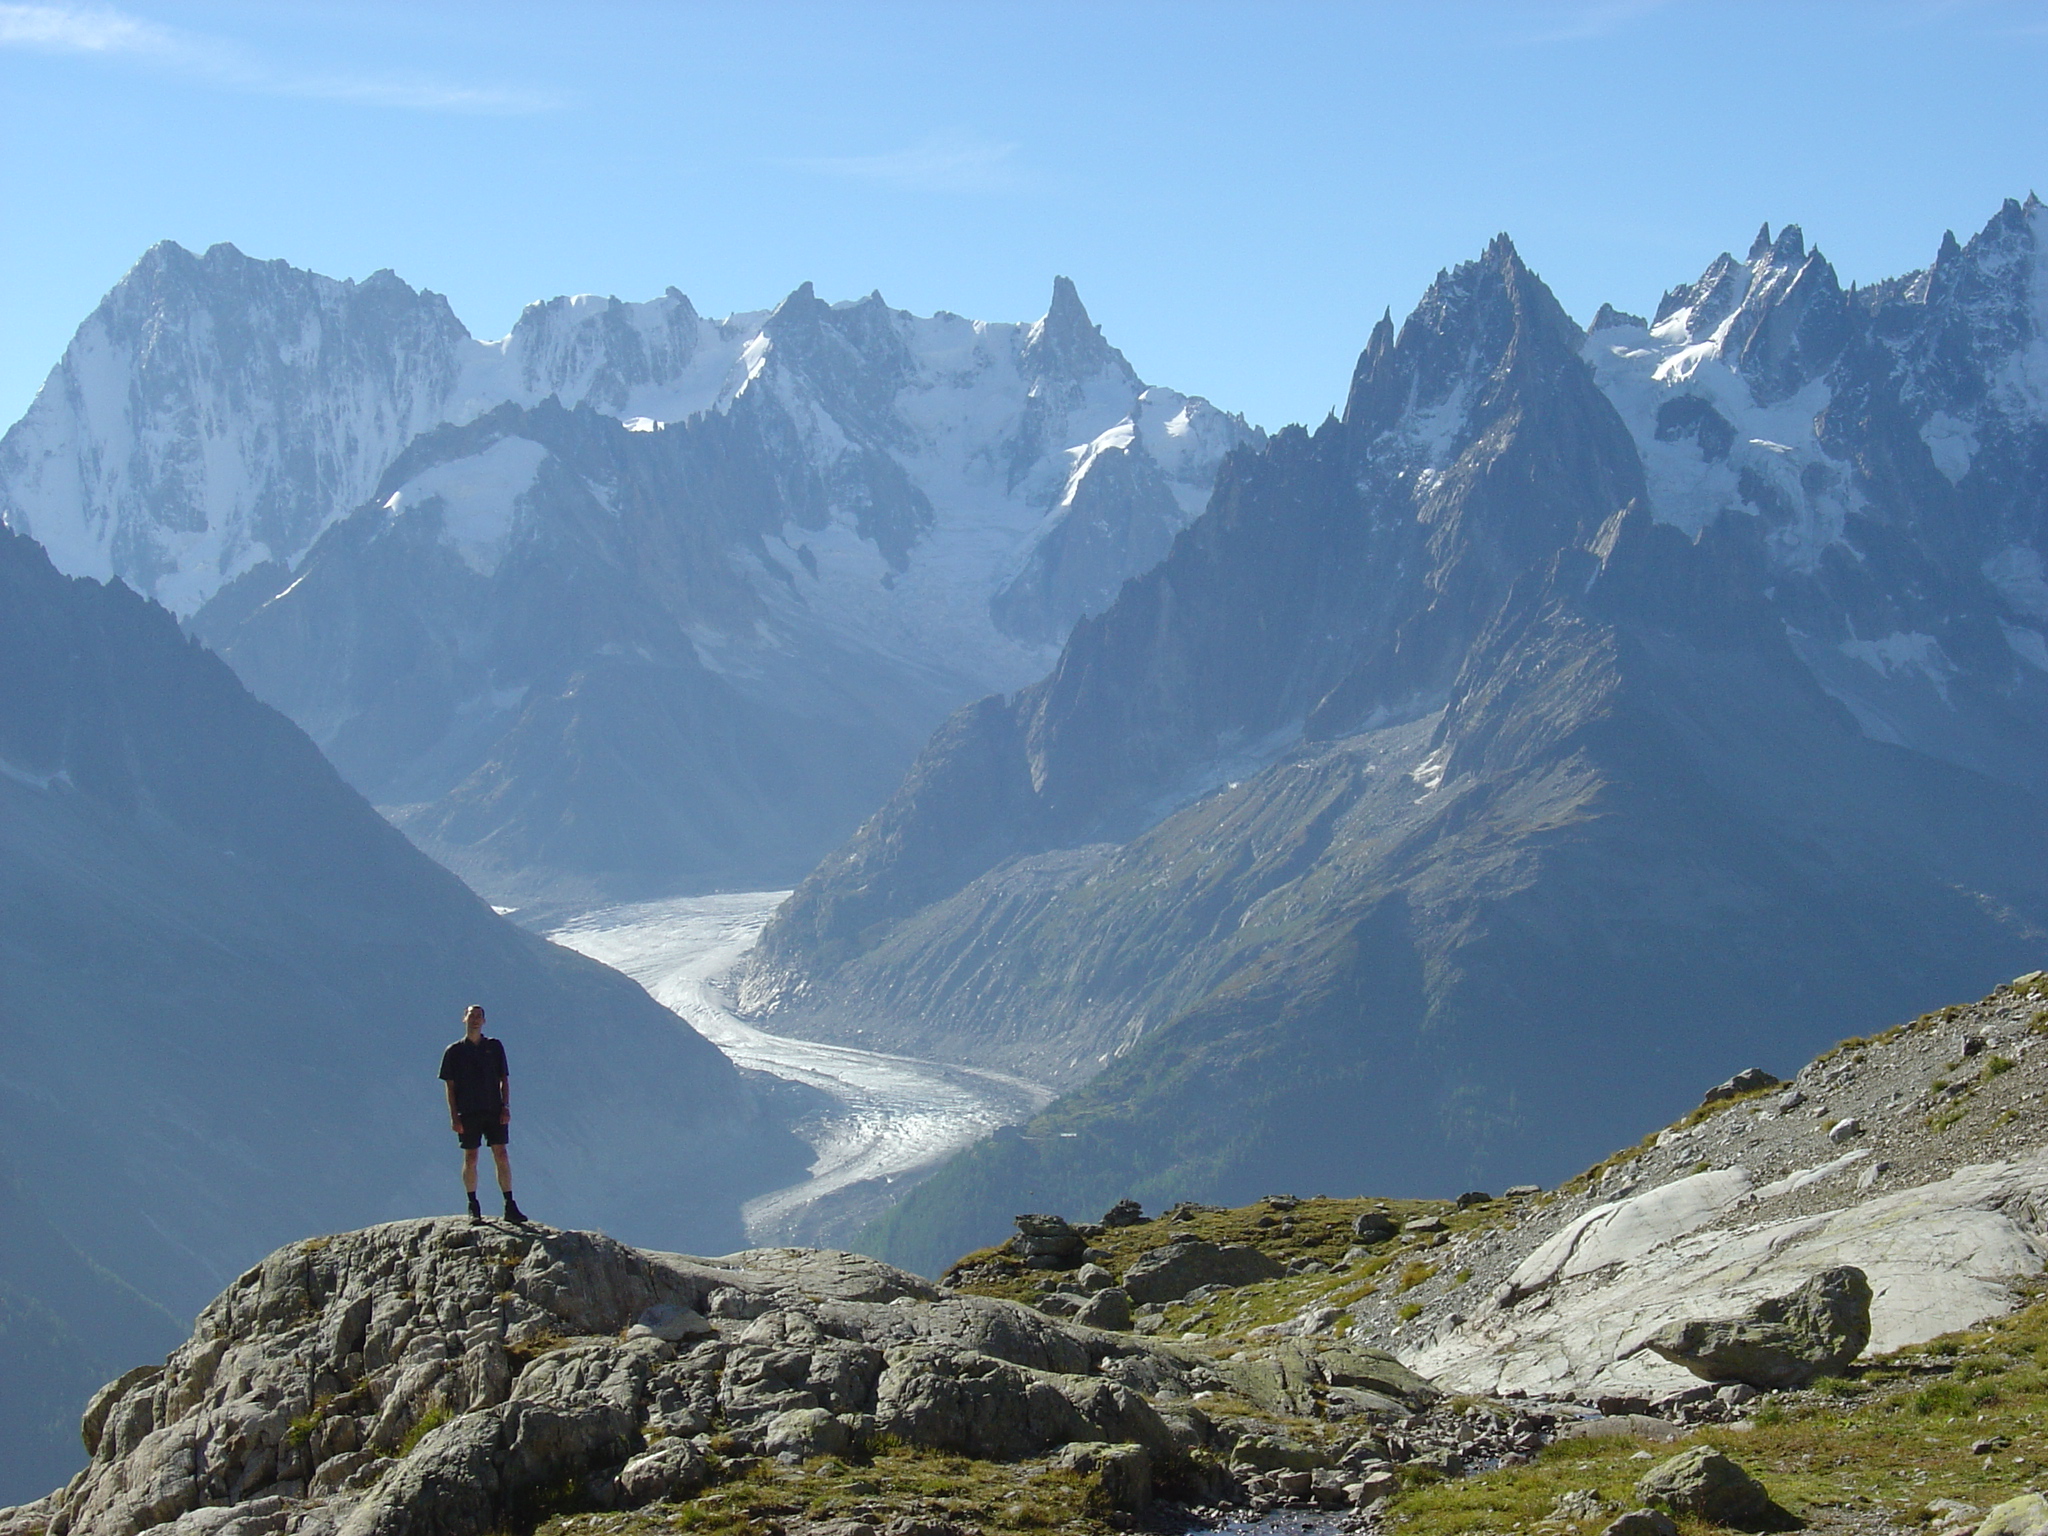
x: 1584, y: 20
x: 947, y: 162
x: 106, y: 33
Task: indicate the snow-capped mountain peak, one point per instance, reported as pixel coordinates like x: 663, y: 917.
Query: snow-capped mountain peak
x: 217, y: 413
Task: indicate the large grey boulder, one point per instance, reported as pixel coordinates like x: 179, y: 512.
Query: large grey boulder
x: 1706, y: 1485
x: 484, y: 1469
x: 1788, y: 1341
x: 1106, y: 1309
x: 1169, y: 1273
x: 2026, y: 1515
x: 1123, y: 1472
x: 1048, y: 1242
x: 1297, y: 1379
x: 980, y: 1406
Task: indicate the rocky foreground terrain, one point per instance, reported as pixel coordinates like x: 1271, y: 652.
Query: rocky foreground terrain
x: 1519, y: 1363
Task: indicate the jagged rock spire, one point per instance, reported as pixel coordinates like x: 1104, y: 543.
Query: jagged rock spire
x: 1066, y: 343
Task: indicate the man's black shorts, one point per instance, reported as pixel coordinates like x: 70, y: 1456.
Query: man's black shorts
x: 482, y: 1128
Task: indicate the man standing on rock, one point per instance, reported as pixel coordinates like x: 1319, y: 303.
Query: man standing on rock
x: 480, y: 1106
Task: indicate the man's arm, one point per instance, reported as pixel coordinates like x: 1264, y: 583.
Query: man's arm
x: 505, y: 1101
x: 454, y: 1119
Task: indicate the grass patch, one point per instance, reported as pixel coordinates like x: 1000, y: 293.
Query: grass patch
x: 436, y: 1415
x: 1414, y: 1274
x: 1998, y: 1066
x: 531, y: 1348
x: 999, y: 1498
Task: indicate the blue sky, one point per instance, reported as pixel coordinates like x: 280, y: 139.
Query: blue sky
x: 1238, y: 189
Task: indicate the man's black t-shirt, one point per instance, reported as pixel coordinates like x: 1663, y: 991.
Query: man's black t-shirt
x: 475, y: 1069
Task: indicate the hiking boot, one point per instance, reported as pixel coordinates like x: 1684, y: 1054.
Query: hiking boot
x: 476, y: 1212
x: 512, y: 1211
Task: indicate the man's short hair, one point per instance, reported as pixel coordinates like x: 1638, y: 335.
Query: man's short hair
x: 473, y: 1011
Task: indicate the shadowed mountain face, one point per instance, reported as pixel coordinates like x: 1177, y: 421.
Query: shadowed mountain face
x: 1577, y: 720
x: 629, y: 601
x: 225, y: 983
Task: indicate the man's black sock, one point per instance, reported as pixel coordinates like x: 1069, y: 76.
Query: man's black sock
x: 474, y: 1208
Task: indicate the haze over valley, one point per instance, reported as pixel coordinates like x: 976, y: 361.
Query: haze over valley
x: 897, y: 777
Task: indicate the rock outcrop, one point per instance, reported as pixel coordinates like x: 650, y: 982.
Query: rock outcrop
x: 1169, y: 1273
x: 442, y: 1378
x: 1786, y: 1341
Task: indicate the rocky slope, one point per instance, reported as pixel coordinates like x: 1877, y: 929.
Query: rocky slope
x: 437, y: 1376
x: 1579, y: 715
x: 454, y: 1378
x: 629, y: 599
x: 1914, y: 1155
x: 227, y: 981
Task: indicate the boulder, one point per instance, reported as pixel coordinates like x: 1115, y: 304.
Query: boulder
x: 1277, y: 1453
x: 1641, y: 1522
x: 1125, y: 1213
x: 1123, y: 1472
x: 2026, y: 1515
x: 1288, y: 1377
x: 976, y: 1405
x: 1707, y: 1485
x: 1751, y: 1080
x: 804, y: 1433
x: 1788, y: 1341
x: 673, y: 1468
x: 1048, y: 1242
x: 1169, y: 1273
x: 1373, y: 1226
x: 1093, y: 1277
x: 1374, y: 1370
x: 1106, y: 1309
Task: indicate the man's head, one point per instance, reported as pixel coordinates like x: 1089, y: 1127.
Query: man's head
x: 473, y: 1020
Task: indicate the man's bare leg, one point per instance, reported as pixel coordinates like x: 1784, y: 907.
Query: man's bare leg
x: 469, y: 1167
x: 503, y: 1157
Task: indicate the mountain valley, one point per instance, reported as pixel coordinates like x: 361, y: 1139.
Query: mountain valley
x: 1579, y: 713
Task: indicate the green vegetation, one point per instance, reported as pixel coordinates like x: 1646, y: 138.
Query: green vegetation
x: 1292, y: 1231
x: 755, y: 1498
x: 424, y: 1425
